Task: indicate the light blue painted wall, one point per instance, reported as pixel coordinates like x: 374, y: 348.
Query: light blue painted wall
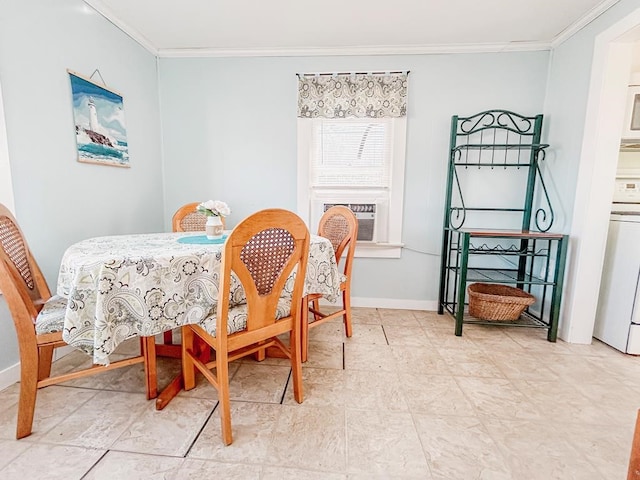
x: 229, y: 132
x: 59, y: 200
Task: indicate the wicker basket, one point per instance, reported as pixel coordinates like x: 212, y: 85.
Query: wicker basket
x: 489, y: 301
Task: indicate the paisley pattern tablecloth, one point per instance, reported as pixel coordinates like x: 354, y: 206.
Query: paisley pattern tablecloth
x: 127, y: 285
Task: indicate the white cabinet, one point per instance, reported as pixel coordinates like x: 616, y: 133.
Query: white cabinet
x: 618, y: 316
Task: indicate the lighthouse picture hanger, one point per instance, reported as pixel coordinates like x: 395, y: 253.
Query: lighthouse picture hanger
x: 98, y: 113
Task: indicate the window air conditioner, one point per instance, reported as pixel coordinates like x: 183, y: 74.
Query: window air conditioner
x: 366, y: 216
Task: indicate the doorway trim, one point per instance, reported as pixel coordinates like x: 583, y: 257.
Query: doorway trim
x: 610, y: 72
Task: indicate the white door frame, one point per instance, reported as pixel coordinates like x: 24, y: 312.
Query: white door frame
x: 610, y: 72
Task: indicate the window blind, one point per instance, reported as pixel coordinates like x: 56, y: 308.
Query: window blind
x: 351, y: 153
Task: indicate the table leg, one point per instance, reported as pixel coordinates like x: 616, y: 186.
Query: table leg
x: 177, y: 384
x: 272, y: 352
x: 173, y: 350
x: 148, y: 345
x: 169, y: 392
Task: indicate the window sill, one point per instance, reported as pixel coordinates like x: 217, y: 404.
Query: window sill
x: 378, y: 250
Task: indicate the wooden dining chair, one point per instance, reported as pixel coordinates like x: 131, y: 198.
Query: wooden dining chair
x: 188, y: 219
x: 39, y: 319
x: 340, y: 226
x: 262, y: 251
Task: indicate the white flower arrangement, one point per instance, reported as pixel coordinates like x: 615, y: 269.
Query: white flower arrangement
x: 214, y: 208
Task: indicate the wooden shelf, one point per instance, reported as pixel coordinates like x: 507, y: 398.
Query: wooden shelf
x: 498, y: 233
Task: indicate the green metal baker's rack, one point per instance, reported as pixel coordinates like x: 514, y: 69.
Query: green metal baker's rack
x: 491, y: 233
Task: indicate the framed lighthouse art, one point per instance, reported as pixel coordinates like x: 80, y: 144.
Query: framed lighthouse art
x: 98, y: 113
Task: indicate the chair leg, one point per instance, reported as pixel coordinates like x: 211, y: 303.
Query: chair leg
x: 296, y: 346
x: 168, y: 337
x: 44, y: 363
x: 346, y: 303
x: 304, y: 330
x: 28, y: 392
x: 222, y: 372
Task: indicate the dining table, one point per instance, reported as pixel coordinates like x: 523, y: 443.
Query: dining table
x: 121, y: 286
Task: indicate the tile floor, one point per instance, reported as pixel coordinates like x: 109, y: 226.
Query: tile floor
x: 403, y: 398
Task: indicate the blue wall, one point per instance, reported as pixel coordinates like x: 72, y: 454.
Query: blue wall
x: 59, y: 200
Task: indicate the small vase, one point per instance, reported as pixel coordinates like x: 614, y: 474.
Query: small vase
x: 214, y: 227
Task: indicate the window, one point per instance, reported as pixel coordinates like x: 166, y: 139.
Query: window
x: 357, y: 161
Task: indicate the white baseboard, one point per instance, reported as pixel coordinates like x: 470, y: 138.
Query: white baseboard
x: 399, y: 304
x: 9, y: 376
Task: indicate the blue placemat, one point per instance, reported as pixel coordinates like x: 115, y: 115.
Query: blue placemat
x: 202, y: 239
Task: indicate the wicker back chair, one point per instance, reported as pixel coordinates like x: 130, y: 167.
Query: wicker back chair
x: 262, y: 251
x: 340, y: 226
x: 39, y: 320
x: 187, y: 219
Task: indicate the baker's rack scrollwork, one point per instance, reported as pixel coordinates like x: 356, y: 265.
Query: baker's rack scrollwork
x: 544, y: 215
x: 498, y: 139
x: 497, y: 118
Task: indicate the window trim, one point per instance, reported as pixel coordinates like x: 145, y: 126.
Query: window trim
x: 393, y: 247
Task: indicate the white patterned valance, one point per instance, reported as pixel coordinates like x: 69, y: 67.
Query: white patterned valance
x: 359, y: 95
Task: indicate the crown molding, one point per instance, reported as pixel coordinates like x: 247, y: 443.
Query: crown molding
x: 582, y: 22
x: 362, y: 50
x: 111, y: 17
x: 565, y: 34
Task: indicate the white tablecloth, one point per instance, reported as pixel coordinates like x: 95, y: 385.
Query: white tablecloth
x: 127, y: 285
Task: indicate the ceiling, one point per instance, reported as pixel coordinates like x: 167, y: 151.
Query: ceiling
x: 334, y: 27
